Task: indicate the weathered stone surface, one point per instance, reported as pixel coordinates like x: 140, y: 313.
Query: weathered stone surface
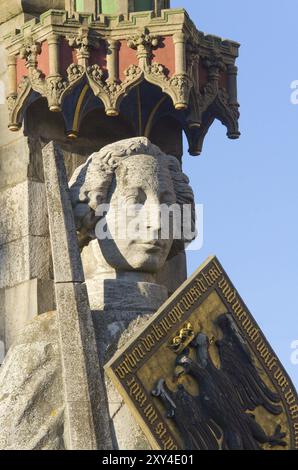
x: 27, y: 6
x: 31, y: 391
x: 2, y: 314
x: 45, y: 296
x: 129, y: 434
x: 23, y: 302
x: 173, y: 273
x: 86, y: 411
x: 14, y: 160
x: 66, y: 256
x: 25, y: 259
x: 23, y: 211
x: 81, y: 371
x: 2, y: 351
x: 113, y: 316
x: 34, y: 412
x: 115, y: 323
x: 108, y: 295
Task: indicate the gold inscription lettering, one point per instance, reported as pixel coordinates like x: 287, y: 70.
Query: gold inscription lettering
x: 281, y: 380
x: 150, y: 414
x: 294, y: 412
x: 290, y: 397
x: 136, y: 391
x: 122, y: 370
x: 201, y: 284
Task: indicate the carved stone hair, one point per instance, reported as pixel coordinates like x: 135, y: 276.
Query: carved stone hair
x: 91, y: 183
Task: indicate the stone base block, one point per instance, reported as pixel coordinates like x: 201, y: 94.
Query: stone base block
x: 23, y: 259
x: 22, y: 303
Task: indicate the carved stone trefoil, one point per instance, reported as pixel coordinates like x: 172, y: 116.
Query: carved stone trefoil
x: 144, y: 43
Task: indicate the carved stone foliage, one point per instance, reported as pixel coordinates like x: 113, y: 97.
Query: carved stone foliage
x: 211, y: 102
x: 177, y: 87
x: 55, y: 87
x: 112, y: 93
x: 83, y: 42
x: 30, y: 51
x: 98, y: 54
x: 37, y: 80
x: 227, y: 113
x: 144, y: 43
x: 15, y: 103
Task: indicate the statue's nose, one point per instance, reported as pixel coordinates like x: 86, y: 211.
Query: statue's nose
x: 153, y: 215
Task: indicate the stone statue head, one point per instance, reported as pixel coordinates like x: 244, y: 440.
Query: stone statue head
x: 130, y: 173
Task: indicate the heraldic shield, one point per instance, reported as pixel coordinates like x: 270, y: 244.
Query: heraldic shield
x: 202, y: 376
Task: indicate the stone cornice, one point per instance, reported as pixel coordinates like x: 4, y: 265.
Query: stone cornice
x: 170, y: 22
x: 197, y: 71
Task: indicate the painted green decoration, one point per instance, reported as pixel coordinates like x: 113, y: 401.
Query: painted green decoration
x: 144, y: 5
x: 113, y: 7
x: 109, y: 7
x: 80, y: 5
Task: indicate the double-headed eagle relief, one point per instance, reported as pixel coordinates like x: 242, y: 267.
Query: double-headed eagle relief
x: 221, y: 415
x: 201, y: 376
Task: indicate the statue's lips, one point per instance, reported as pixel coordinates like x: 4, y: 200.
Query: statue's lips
x: 152, y: 246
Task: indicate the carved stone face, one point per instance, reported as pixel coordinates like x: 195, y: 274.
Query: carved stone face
x: 105, y: 191
x: 144, y: 181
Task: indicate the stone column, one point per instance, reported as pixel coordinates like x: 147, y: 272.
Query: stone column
x: 232, y: 72
x: 12, y: 86
x: 70, y: 6
x: 12, y: 75
x: 53, y: 43
x: 90, y: 6
x: 54, y: 78
x: 112, y: 60
x: 180, y: 53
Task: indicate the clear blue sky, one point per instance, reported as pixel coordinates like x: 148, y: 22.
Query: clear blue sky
x: 249, y: 187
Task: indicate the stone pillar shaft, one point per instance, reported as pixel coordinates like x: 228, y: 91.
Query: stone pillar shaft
x: 86, y: 414
x: 232, y: 83
x: 180, y: 53
x: 12, y: 75
x: 112, y: 60
x: 70, y: 6
x: 53, y: 42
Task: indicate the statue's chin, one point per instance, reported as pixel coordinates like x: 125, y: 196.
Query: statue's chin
x: 142, y: 262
